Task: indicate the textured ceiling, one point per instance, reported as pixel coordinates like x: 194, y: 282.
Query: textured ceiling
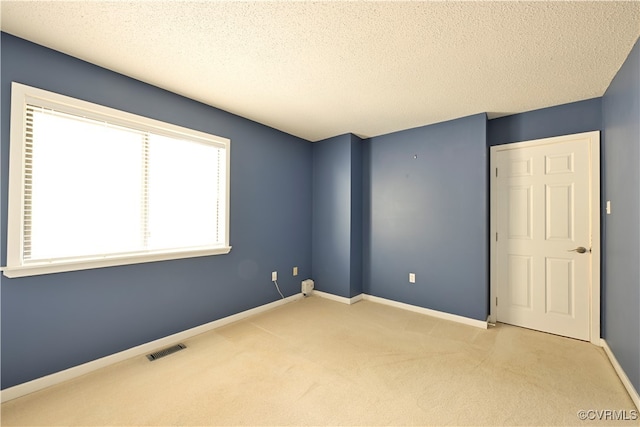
x: 320, y: 69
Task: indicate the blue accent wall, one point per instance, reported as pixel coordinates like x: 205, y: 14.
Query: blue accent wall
x: 356, y: 283
x: 337, y: 215
x: 355, y: 215
x: 426, y: 193
x: 621, y: 123
x: 76, y: 317
x: 566, y: 119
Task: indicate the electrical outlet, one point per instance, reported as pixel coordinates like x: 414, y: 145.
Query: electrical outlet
x: 295, y: 271
x: 274, y: 276
x: 412, y: 277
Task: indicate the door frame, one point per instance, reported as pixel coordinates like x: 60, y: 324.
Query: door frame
x: 594, y: 219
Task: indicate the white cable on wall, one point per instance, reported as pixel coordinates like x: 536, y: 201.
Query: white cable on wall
x: 278, y: 288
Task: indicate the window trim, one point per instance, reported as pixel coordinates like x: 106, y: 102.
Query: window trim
x: 22, y: 94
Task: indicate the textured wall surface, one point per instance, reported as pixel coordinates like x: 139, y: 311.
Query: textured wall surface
x: 53, y: 322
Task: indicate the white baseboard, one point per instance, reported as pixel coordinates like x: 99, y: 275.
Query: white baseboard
x: 76, y: 371
x: 409, y: 307
x: 434, y: 313
x: 633, y: 393
x: 338, y: 298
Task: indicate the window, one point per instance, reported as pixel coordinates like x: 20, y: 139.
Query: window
x: 91, y: 186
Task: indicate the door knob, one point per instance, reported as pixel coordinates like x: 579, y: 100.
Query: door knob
x: 579, y: 249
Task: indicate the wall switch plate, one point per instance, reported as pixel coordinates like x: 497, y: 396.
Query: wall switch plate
x: 412, y: 277
x: 295, y: 271
x: 608, y: 207
x: 274, y: 276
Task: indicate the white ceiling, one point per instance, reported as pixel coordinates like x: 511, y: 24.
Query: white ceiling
x: 320, y: 69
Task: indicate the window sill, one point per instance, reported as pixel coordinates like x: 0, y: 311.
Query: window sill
x: 107, y: 261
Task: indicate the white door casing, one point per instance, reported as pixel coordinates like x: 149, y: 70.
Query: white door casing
x: 545, y: 203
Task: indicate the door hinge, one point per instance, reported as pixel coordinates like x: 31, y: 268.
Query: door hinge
x: 496, y: 301
x: 496, y: 236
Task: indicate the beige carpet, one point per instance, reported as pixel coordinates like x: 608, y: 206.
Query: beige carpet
x: 319, y: 362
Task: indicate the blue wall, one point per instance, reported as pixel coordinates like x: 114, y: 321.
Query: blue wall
x: 53, y: 322
x: 428, y: 215
x: 337, y: 215
x: 357, y: 216
x: 566, y: 119
x: 356, y: 279
x: 621, y: 123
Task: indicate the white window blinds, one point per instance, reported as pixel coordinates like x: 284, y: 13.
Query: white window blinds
x: 84, y: 187
x: 96, y: 186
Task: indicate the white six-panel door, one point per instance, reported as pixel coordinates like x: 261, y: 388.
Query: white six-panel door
x: 542, y: 217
